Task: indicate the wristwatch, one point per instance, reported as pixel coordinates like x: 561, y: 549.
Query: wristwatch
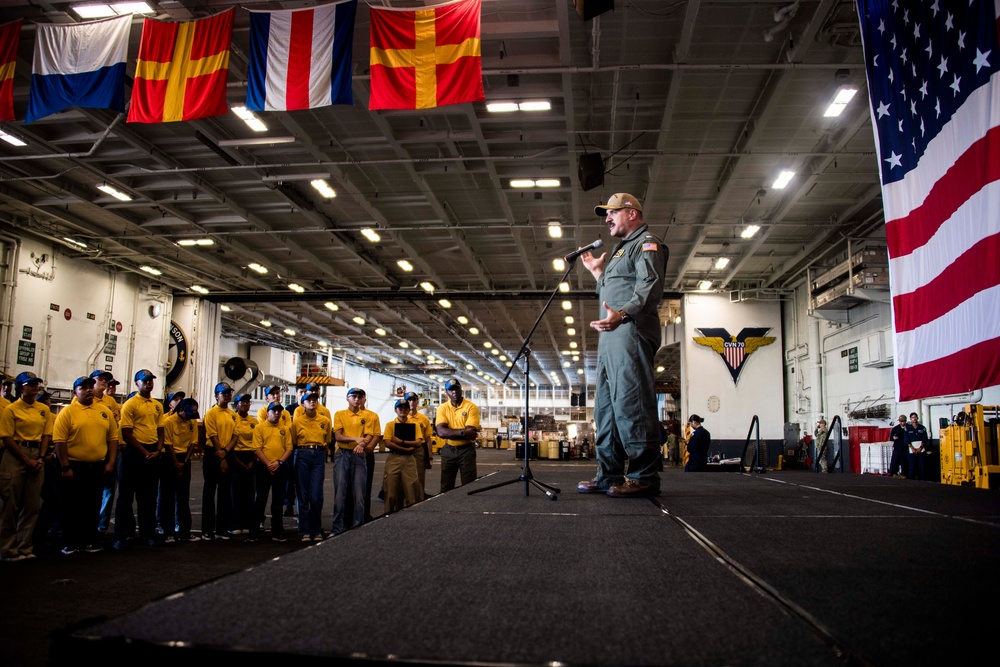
x: 625, y: 316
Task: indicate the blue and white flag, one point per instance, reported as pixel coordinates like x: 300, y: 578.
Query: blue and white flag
x: 301, y: 58
x: 79, y: 65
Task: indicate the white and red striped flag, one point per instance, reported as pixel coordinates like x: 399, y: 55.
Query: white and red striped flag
x: 935, y: 102
x: 301, y: 58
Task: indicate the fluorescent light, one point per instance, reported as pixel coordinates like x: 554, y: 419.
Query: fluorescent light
x: 568, y: 319
x: 705, y: 285
x: 548, y: 183
x: 418, y: 353
x: 405, y: 265
x: 255, y: 141
x: 403, y: 344
x: 468, y: 367
x: 474, y: 331
x: 677, y: 320
x: 555, y: 231
x: 295, y: 287
x: 75, y: 242
x: 248, y: 117
x: 11, y: 139
x: 357, y: 319
x: 840, y: 101
x: 428, y: 287
x: 535, y: 105
x: 330, y: 305
x: 509, y: 364
x: 132, y: 8
x: 783, y: 179
x: 259, y: 268
x: 572, y: 345
x: 579, y: 371
x: 380, y: 331
x: 445, y: 303
x: 503, y: 357
x: 371, y: 235
x: 114, y: 192
x: 567, y: 305
x: 462, y: 319
x: 150, y: 270
x: 501, y: 107
x: 522, y: 183
x: 323, y: 188
x: 722, y: 262
x: 195, y: 242
x: 576, y: 357
x: 495, y: 352
x: 289, y: 332
x: 265, y: 323
x: 226, y: 309
x: 566, y: 364
x: 571, y: 331
x: 660, y: 369
x: 559, y: 264
x: 94, y: 11
x: 487, y: 344
x: 199, y: 289
x: 323, y: 343
x: 749, y: 232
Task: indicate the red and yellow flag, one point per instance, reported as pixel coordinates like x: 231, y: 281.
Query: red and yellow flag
x: 182, y: 68
x: 426, y: 58
x: 10, y: 34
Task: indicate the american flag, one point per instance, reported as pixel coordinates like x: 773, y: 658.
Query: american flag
x: 935, y: 103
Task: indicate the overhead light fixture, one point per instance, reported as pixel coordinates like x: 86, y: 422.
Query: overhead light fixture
x: 579, y: 371
x: 722, y: 262
x: 323, y: 343
x: 576, y: 358
x: 295, y: 287
x: 495, y: 352
x: 564, y: 287
x: 289, y: 332
x: 330, y: 305
x: 749, y: 232
x: 487, y: 344
x: 278, y: 178
x: 199, y: 289
x: 503, y: 357
x: 559, y: 264
x: 371, y: 235
x: 568, y: 319
x: 548, y: 183
x: 248, y: 117
x: 405, y: 265
x: 11, y: 139
x: 403, y: 344
x: 380, y: 331
x: 567, y: 305
x: 265, y: 323
x: 571, y: 331
x: 114, y: 192
x: 357, y: 319
x: 555, y: 230
x: 75, y: 242
x: 572, y: 345
x: 677, y: 320
x: 151, y: 271
x: 527, y: 105
x: 259, y: 268
x: 322, y: 187
x: 840, y: 101
x: 419, y: 353
x: 474, y: 331
x: 195, y: 242
x: 783, y: 179
x: 226, y: 309
x: 705, y: 285
x: 255, y: 141
x: 468, y: 367
x: 99, y: 11
x: 428, y: 287
x: 660, y: 369
x: 522, y: 183
x: 444, y: 303
x: 566, y: 364
x: 462, y: 319
x: 501, y: 107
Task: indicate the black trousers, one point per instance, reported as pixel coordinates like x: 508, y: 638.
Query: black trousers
x: 217, y: 484
x: 175, y: 498
x: 82, y: 502
x: 275, y: 485
x: 138, y: 483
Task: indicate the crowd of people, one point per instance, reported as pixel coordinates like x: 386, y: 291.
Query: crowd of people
x: 60, y: 473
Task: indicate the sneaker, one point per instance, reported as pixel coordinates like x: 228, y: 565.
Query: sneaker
x: 170, y: 539
x: 279, y: 537
x: 67, y: 551
x: 94, y: 548
x: 306, y: 538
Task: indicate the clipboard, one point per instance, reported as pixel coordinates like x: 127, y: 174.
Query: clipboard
x: 405, y: 431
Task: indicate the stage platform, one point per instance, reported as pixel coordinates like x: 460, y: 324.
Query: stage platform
x: 780, y: 568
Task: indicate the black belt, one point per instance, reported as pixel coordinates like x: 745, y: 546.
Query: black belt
x: 393, y: 451
x: 30, y: 444
x: 311, y: 446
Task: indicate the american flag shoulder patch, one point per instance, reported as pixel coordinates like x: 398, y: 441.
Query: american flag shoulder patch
x: 650, y: 247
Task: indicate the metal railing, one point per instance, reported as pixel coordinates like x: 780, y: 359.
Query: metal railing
x: 756, y: 465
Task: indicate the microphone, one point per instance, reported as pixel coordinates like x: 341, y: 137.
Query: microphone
x: 576, y: 253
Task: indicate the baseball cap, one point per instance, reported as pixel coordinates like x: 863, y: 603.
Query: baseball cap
x: 188, y: 407
x: 410, y: 395
x: 695, y: 418
x: 44, y: 395
x: 312, y: 386
x: 452, y: 384
x: 131, y: 394
x: 274, y: 390
x: 176, y: 395
x: 241, y: 397
x: 223, y: 387
x: 99, y: 373
x: 84, y: 379
x: 277, y: 407
x: 113, y: 381
x: 617, y: 201
x: 402, y: 403
x: 27, y: 377
x: 310, y: 396
x: 356, y: 390
x: 144, y: 374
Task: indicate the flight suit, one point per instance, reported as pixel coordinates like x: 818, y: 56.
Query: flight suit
x: 625, y: 413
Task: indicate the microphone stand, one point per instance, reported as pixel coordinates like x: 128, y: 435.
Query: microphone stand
x: 526, y: 476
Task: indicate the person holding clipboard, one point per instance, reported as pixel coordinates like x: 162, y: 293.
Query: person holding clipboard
x: 400, y: 481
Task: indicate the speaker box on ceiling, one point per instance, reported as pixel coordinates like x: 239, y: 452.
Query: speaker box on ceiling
x: 588, y: 9
x: 591, y: 171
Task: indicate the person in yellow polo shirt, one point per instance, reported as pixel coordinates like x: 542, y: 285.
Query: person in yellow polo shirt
x: 180, y: 437
x: 243, y: 463
x: 399, y: 479
x: 26, y: 431
x: 272, y: 442
x: 356, y: 431
x: 220, y: 434
x: 85, y: 436
x: 312, y: 388
x: 274, y: 396
x: 458, y: 423
x: 423, y: 455
x: 139, y: 474
x: 102, y: 394
x: 310, y: 436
